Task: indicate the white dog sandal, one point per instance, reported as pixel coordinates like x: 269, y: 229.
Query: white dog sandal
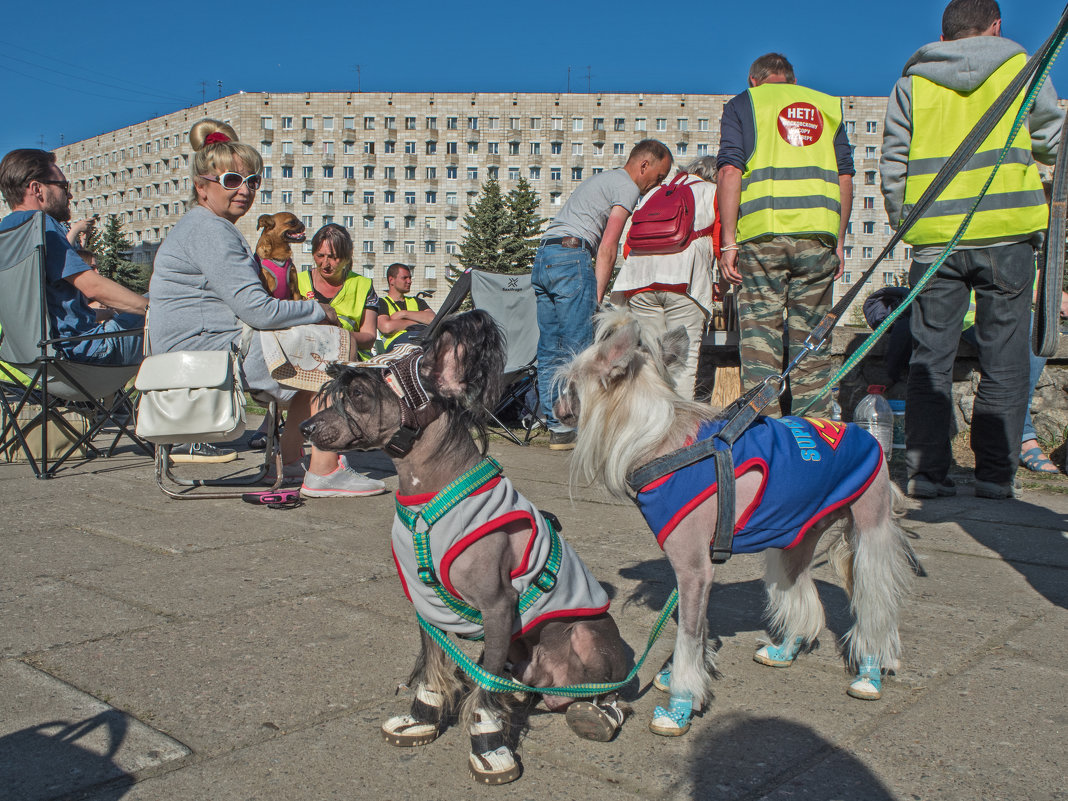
x: 421, y: 725
x: 662, y: 680
x: 597, y: 722
x: 491, y: 760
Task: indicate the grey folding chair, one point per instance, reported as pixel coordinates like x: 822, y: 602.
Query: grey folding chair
x: 509, y: 300
x: 28, y: 346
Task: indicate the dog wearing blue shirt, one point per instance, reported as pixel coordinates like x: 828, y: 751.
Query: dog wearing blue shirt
x: 795, y: 478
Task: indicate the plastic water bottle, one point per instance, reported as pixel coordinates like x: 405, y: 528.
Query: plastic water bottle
x: 874, y: 413
x: 836, y: 407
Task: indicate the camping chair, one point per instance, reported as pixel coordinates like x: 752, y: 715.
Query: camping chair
x: 509, y: 300
x: 38, y: 383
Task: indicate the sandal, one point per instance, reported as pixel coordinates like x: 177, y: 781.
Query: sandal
x: 1037, y: 462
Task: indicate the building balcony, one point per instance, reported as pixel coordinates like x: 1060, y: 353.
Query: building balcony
x: 267, y: 134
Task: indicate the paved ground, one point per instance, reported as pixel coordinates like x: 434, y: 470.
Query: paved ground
x: 158, y: 649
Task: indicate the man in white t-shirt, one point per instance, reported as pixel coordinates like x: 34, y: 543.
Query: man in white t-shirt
x: 575, y: 260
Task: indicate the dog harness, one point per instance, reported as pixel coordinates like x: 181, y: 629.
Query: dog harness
x: 809, y: 467
x: 431, y: 531
x: 281, y: 276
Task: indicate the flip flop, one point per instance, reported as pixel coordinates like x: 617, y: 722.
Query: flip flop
x: 1037, y: 462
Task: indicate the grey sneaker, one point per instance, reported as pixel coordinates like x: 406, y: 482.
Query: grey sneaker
x: 201, y: 453
x: 997, y: 492
x: 921, y: 487
x: 342, y: 483
x: 562, y: 440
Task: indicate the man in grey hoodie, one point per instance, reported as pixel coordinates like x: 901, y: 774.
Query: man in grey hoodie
x: 945, y: 88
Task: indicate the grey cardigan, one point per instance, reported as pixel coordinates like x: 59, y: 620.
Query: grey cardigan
x: 205, y: 283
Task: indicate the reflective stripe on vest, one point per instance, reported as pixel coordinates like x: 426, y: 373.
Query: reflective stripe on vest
x: 410, y: 304
x: 1014, y: 205
x: 349, y: 302
x: 790, y: 186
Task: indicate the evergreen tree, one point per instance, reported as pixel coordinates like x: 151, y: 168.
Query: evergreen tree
x: 110, y: 252
x: 525, y: 226
x: 488, y: 225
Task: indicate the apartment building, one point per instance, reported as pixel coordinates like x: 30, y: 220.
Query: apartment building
x: 399, y: 170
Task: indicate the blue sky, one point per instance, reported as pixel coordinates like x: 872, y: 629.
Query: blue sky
x: 74, y: 70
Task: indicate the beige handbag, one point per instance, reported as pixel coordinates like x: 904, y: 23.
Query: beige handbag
x: 190, y: 396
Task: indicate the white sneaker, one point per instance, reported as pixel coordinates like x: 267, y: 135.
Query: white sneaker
x: 201, y: 453
x: 341, y: 483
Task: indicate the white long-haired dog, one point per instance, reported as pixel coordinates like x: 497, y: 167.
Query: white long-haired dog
x: 795, y: 477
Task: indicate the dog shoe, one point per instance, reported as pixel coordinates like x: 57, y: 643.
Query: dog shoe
x: 673, y: 721
x: 868, y: 685
x: 662, y: 680
x: 597, y: 722
x: 779, y: 656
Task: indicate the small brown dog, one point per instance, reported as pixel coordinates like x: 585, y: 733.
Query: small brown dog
x: 274, y: 252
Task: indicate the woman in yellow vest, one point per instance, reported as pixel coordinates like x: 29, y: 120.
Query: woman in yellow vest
x: 332, y: 281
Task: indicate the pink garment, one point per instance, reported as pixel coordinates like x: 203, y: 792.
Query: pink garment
x: 281, y: 274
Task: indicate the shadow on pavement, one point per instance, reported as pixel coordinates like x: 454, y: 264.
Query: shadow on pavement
x: 47, y: 761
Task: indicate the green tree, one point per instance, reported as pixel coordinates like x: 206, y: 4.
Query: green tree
x: 525, y: 226
x: 487, y: 224
x: 111, y: 249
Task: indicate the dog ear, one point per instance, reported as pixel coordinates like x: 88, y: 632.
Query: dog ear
x: 618, y: 350
x: 266, y: 222
x: 674, y: 346
x: 465, y: 360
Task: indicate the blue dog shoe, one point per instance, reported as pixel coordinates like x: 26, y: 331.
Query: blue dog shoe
x: 779, y: 656
x: 868, y: 685
x: 673, y: 721
x: 662, y: 680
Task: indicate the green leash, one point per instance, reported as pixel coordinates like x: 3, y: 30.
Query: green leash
x: 869, y: 343
x: 499, y: 684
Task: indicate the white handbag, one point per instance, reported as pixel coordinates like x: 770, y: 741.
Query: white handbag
x: 190, y: 396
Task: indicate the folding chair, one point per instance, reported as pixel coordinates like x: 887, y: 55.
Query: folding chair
x: 509, y: 300
x: 49, y: 380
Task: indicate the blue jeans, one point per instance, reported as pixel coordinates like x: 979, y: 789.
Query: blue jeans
x: 1002, y: 279
x: 565, y: 288
x: 112, y: 351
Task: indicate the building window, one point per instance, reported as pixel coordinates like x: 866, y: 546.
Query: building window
x: 848, y: 251
x: 265, y: 196
x: 409, y: 148
x: 702, y: 150
x: 472, y: 173
x: 389, y: 122
x: 554, y: 198
x: 348, y: 148
x: 450, y: 198
x: 513, y: 173
x: 348, y: 196
x: 328, y: 171
x: 409, y: 173
x: 661, y: 124
x: 430, y: 246
x: 431, y: 197
x: 869, y: 178
x: 368, y: 196
x: 618, y: 149
x: 450, y: 171
x: 368, y: 246
x: 389, y: 196
x: 307, y: 123
x: 535, y: 173
x: 850, y: 126
x: 639, y: 124
x: 349, y: 123
x: 683, y: 123
x: 431, y: 123
x: 328, y: 148
x: 450, y: 248
x: 576, y: 148
x: 387, y: 223
x: 409, y: 247
x: 576, y: 123
x: 493, y: 148
x: 872, y: 126
x: 450, y: 148
x: 557, y: 123
x: 306, y: 172
x: 265, y: 148
x: 409, y: 198
x: 451, y: 123
x: 431, y: 173
x: 328, y: 123
x: 680, y: 148
x: 869, y: 202
x: 554, y: 173
x: 389, y: 173
x: 409, y: 222
x: 368, y: 172
x: 868, y: 253
x: 350, y: 222
x: 287, y: 123
x: 576, y: 173
x: 369, y: 148
x: 702, y: 124
x: 328, y: 198
x: 307, y: 148
x: 287, y: 197
x: 306, y: 197
x: 556, y: 148
x: 368, y: 123
x: 431, y: 148
x: 389, y: 146
x: 409, y: 123
x: 472, y: 147
x: 389, y: 246
x: 535, y: 123
x: 870, y: 152
x: 472, y: 123
x: 869, y: 227
x: 266, y: 173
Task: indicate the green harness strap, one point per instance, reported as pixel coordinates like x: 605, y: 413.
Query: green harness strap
x: 438, y: 506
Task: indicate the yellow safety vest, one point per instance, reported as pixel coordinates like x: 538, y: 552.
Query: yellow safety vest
x: 349, y: 303
x: 1015, y: 204
x: 790, y: 184
x: 410, y: 304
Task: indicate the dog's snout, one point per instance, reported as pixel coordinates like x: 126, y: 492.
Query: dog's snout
x: 307, y: 428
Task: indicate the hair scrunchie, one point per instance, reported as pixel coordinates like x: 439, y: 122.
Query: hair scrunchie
x: 216, y: 136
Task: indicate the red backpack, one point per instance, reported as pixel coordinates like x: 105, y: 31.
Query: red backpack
x: 664, y: 223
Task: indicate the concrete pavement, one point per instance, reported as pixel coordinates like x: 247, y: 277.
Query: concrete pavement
x: 158, y: 649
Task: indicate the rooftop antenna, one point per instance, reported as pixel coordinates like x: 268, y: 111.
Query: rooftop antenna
x: 588, y: 78
x: 220, y: 88
x: 203, y: 89
x: 359, y: 79
x: 569, y: 80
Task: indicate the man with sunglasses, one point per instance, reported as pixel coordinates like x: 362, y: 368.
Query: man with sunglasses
x: 31, y: 181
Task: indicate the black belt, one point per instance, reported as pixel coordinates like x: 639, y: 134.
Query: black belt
x: 571, y: 242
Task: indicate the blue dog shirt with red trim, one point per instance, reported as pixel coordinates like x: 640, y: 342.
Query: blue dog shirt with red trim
x: 809, y: 468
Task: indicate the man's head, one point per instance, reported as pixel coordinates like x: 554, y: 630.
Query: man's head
x: 648, y: 164
x: 30, y: 180
x: 965, y: 18
x: 399, y: 278
x: 771, y: 68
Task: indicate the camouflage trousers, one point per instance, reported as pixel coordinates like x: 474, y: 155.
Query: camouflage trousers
x: 789, y: 280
